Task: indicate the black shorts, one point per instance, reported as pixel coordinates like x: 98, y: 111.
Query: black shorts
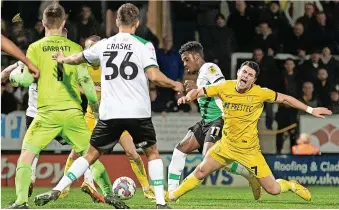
x: 59, y: 139
x: 106, y: 133
x: 207, y: 132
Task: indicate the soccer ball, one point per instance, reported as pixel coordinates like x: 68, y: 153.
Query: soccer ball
x: 18, y: 75
x: 124, y: 187
x: 17, y: 72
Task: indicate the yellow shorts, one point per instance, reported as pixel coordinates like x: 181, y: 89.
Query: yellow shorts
x: 255, y: 162
x: 90, y: 120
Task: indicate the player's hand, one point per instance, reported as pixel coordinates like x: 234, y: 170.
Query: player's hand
x: 33, y: 70
x: 320, y: 112
x: 178, y: 87
x: 190, y: 85
x: 184, y: 100
x: 59, y: 57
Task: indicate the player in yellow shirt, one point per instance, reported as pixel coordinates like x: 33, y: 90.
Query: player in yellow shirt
x: 126, y: 140
x: 243, y: 103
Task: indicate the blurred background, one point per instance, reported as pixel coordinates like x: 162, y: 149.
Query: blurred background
x: 295, y: 43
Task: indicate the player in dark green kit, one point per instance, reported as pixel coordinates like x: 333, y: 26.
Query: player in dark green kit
x: 59, y: 104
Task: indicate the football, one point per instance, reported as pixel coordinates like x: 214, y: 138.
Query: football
x: 15, y: 74
x: 18, y: 75
x: 124, y: 187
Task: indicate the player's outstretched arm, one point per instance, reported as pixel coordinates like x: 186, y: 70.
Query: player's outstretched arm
x: 159, y: 79
x: 9, y: 47
x: 71, y: 60
x: 7, y: 71
x: 192, y: 95
x: 291, y: 101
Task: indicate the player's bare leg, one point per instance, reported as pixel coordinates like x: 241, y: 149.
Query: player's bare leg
x: 77, y: 169
x: 275, y: 187
x: 187, y: 145
x: 206, y: 167
x: 137, y: 165
x: 156, y: 173
x: 23, y: 179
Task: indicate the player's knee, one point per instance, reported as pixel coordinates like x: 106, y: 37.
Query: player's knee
x: 152, y: 152
x: 92, y: 155
x: 132, y: 154
x: 200, y: 172
x: 74, y: 155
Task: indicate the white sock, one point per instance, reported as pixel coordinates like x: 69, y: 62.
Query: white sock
x: 34, y: 164
x: 76, y: 170
x: 237, y: 168
x: 88, y: 178
x: 156, y: 173
x: 175, y: 169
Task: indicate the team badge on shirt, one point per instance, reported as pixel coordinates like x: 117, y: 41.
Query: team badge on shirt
x: 249, y: 98
x: 212, y: 70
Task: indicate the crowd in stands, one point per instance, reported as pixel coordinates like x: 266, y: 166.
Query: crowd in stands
x: 307, y: 30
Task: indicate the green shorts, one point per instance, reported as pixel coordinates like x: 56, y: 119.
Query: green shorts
x: 69, y: 124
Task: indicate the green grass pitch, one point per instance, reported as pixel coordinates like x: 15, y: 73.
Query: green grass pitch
x: 202, y: 198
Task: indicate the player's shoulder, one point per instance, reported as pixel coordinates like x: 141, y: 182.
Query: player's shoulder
x: 209, y: 69
x: 258, y: 90
x: 140, y: 40
x: 230, y: 83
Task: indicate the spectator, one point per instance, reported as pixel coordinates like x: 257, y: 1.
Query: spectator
x: 297, y: 43
x: 276, y: 19
x: 8, y: 102
x: 19, y: 35
x: 184, y: 22
x: 242, y: 22
x: 334, y: 103
x: 171, y: 65
x: 309, y: 69
x: 308, y: 97
x: 38, y: 31
x: 331, y: 9
x: 286, y: 115
x: 323, y: 87
x: 87, y: 25
x: 265, y: 40
x: 267, y: 78
x: 321, y: 33
x: 71, y: 27
x: 309, y: 16
x: 330, y: 63
x: 304, y: 146
x: 220, y: 45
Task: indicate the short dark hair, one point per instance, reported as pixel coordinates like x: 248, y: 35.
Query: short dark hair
x: 289, y: 59
x: 252, y: 65
x: 128, y: 14
x: 94, y: 38
x: 53, y: 16
x: 192, y: 46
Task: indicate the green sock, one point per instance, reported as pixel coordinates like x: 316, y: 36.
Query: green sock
x: 101, y: 177
x: 22, y: 182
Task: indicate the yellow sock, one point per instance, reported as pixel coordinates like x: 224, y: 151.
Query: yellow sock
x: 140, y: 172
x: 284, y: 185
x: 187, y: 185
x: 69, y: 162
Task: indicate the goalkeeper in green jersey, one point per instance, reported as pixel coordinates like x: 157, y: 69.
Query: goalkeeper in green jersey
x: 59, y: 104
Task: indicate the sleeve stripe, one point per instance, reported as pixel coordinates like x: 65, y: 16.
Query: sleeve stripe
x: 276, y: 96
x: 83, y: 55
x: 204, y: 89
x: 151, y: 66
x: 220, y: 78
